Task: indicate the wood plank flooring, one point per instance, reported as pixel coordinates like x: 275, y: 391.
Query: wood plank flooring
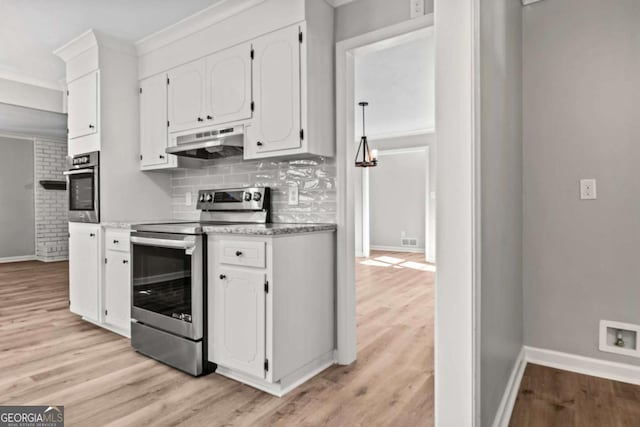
x: 550, y: 397
x: 50, y: 356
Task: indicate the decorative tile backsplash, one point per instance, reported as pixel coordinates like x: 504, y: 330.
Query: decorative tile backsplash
x: 315, y: 177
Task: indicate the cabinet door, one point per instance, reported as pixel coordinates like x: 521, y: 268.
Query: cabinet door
x: 84, y: 253
x: 82, y: 106
x: 239, y: 320
x: 153, y: 121
x: 186, y: 97
x: 276, y: 86
x: 117, y: 290
x: 228, y: 76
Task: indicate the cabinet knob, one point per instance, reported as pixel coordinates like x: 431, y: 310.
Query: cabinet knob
x: 115, y: 242
x: 222, y: 277
x: 161, y: 156
x: 238, y: 253
x: 91, y: 126
x: 125, y: 261
x: 92, y: 235
x: 209, y: 117
x: 259, y: 144
x: 200, y: 119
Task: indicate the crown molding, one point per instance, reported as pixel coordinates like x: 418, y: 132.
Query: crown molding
x: 194, y: 23
x: 92, y: 38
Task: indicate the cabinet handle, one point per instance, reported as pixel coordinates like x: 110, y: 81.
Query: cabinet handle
x: 125, y: 261
x: 200, y: 119
x: 92, y: 235
x: 91, y: 126
x: 238, y: 253
x: 222, y: 277
x: 161, y: 156
x: 259, y: 144
x: 209, y: 117
x: 115, y: 242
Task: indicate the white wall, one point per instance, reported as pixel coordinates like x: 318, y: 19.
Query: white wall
x: 397, y: 198
x: 25, y: 95
x: 398, y: 82
x: 581, y: 95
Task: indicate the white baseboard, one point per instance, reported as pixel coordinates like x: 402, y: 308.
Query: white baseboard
x: 503, y: 415
x: 54, y: 259
x: 17, y: 259
x: 584, y: 365
x: 396, y: 249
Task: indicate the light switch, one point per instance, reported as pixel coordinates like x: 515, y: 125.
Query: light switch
x: 293, y: 194
x: 588, y: 189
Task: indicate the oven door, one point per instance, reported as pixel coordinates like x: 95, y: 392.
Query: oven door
x: 84, y: 188
x: 167, y: 282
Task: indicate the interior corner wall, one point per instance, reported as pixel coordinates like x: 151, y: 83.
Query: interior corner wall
x: 581, y: 92
x: 363, y: 16
x: 501, y: 199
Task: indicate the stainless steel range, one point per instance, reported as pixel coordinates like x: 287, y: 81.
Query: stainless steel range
x: 169, y: 271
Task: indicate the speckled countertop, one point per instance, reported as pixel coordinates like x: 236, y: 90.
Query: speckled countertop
x: 126, y: 225
x: 268, y: 229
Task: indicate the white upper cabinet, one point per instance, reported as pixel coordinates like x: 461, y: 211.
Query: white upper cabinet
x: 187, y: 97
x: 153, y: 122
x: 277, y: 94
x: 84, y: 272
x: 228, y: 84
x: 82, y: 105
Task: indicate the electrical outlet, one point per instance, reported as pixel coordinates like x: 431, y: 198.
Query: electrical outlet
x: 588, y: 189
x: 187, y: 198
x: 293, y: 194
x: 417, y: 8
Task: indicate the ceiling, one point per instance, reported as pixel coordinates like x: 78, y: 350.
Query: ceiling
x: 31, y: 30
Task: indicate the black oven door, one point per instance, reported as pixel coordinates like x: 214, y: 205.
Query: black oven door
x: 84, y: 190
x: 167, y: 280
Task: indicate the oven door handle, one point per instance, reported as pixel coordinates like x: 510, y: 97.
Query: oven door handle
x: 164, y: 243
x: 77, y: 171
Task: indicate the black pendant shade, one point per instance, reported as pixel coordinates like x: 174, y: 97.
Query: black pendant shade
x: 364, y: 160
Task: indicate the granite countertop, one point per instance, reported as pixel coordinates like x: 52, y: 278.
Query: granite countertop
x: 126, y: 225
x: 268, y: 229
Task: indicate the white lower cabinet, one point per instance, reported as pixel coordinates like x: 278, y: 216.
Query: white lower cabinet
x: 84, y: 269
x: 271, y: 315
x: 100, y: 295
x: 117, y: 291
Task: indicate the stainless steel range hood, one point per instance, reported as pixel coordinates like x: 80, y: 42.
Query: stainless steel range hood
x: 210, y: 144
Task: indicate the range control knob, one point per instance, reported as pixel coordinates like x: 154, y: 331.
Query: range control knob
x: 247, y: 196
x: 257, y: 197
x: 209, y: 197
x: 201, y: 199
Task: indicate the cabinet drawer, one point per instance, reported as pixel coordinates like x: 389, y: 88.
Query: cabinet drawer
x: 248, y: 254
x: 117, y: 241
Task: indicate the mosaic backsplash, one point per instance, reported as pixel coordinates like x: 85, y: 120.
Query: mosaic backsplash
x: 314, y: 175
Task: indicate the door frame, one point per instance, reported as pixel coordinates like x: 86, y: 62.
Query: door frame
x: 457, y: 306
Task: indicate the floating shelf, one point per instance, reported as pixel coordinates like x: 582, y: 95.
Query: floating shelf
x: 54, y: 185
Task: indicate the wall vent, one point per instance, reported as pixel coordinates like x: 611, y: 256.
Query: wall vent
x: 411, y: 242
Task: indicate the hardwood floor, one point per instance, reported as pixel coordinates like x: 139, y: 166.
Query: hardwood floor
x: 550, y: 397
x: 50, y: 356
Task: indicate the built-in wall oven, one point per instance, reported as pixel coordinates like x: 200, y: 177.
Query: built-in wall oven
x: 83, y: 183
x: 167, y: 298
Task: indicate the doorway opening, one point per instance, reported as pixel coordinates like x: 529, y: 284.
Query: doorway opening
x: 386, y: 250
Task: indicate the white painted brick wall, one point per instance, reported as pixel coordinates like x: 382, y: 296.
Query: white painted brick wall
x: 314, y: 175
x: 52, y: 242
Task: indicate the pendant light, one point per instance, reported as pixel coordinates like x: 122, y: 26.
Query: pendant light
x: 368, y: 157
